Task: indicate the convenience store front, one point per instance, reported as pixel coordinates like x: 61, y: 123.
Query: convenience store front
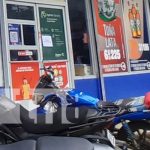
x: 101, y: 50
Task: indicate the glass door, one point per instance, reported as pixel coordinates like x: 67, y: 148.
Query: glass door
x: 53, y: 42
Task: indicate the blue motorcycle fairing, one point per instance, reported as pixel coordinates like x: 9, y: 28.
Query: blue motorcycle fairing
x: 133, y: 116
x: 78, y: 98
x: 47, y: 97
x: 82, y: 98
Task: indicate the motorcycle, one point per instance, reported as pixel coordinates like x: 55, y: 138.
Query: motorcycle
x: 21, y: 127
x: 57, y: 114
x: 132, y: 115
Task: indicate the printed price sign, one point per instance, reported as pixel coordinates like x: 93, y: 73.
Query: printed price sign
x: 111, y: 49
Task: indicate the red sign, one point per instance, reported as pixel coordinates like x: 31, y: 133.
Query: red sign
x: 110, y: 39
x: 60, y: 73
x: 24, y: 78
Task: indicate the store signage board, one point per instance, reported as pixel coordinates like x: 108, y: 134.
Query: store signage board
x: 60, y: 73
x: 110, y: 37
x: 23, y: 55
x: 136, y: 35
x: 52, y: 34
x: 24, y: 78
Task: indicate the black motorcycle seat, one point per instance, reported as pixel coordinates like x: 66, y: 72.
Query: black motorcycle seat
x: 55, y: 143
x: 65, y: 143
x: 21, y: 145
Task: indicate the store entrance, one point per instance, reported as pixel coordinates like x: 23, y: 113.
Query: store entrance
x: 36, y: 37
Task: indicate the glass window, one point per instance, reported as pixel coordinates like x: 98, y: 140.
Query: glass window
x: 80, y: 37
x: 20, y: 12
x: 29, y: 34
x: 23, y: 55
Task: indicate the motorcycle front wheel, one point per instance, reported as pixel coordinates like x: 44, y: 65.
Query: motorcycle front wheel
x: 141, y: 131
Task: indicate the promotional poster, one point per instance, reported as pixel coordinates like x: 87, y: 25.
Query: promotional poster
x: 24, y: 78
x: 136, y: 35
x: 60, y: 73
x: 14, y: 34
x: 52, y: 34
x: 110, y: 37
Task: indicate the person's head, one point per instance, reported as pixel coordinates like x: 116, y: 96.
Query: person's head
x: 25, y: 81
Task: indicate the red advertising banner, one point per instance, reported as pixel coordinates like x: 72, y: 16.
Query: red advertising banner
x: 136, y: 35
x: 24, y: 78
x: 60, y: 73
x: 111, y: 49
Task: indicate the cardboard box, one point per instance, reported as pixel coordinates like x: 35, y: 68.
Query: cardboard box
x: 82, y: 69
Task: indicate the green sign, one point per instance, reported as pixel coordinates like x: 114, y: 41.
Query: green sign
x: 52, y: 34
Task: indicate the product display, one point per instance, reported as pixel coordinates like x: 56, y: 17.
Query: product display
x: 135, y: 20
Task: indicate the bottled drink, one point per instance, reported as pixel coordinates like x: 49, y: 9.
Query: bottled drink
x: 133, y: 10
x: 132, y: 24
x: 138, y: 22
